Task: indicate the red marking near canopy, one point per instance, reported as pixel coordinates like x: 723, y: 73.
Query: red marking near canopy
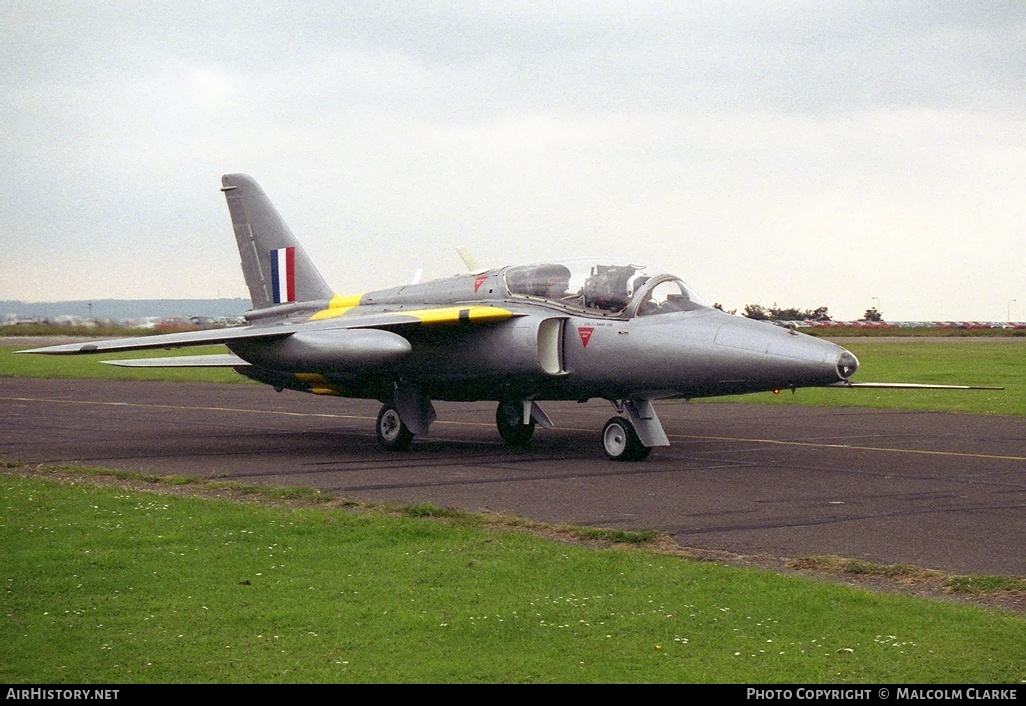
x: 478, y: 281
x: 585, y: 332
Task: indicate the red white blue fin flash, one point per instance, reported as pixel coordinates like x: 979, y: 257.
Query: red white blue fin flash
x: 283, y: 275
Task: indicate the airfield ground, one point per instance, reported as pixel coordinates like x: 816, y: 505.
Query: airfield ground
x: 943, y: 491
x: 750, y: 484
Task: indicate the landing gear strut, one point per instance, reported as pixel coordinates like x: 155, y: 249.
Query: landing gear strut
x: 621, y: 443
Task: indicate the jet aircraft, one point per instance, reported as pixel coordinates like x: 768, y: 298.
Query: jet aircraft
x: 603, y: 328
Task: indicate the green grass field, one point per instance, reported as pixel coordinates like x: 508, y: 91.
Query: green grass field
x: 941, y: 362
x: 107, y: 585
x: 89, y: 366
x: 990, y: 363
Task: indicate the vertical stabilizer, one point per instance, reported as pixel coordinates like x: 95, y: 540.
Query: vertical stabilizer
x: 276, y: 267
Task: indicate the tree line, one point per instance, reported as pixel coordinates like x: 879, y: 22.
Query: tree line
x: 776, y: 313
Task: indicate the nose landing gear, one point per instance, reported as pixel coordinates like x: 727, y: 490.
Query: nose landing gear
x: 621, y: 443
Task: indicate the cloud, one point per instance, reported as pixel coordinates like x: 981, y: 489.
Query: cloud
x: 766, y: 150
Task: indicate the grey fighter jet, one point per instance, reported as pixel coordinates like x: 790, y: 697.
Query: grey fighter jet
x: 612, y: 329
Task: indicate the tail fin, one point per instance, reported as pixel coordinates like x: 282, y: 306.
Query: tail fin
x: 276, y: 267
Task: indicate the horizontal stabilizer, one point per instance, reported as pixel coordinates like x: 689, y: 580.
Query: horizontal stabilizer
x: 218, y: 360
x: 911, y: 386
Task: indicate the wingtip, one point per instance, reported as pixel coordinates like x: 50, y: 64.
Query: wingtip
x: 63, y: 349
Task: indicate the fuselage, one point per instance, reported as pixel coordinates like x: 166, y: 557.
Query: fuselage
x: 500, y: 343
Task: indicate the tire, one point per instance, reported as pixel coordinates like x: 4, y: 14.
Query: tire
x: 392, y: 433
x: 509, y: 421
x: 621, y: 442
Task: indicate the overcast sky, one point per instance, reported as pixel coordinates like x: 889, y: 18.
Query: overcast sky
x: 838, y: 154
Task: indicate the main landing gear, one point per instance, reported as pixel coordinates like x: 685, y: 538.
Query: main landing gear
x: 409, y: 412
x: 509, y: 419
x: 624, y: 438
x: 393, y: 434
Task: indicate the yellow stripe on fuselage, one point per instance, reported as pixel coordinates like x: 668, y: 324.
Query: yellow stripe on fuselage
x: 338, y: 306
x: 460, y: 314
x: 447, y: 315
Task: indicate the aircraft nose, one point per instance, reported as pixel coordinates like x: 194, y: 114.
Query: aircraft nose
x: 847, y: 364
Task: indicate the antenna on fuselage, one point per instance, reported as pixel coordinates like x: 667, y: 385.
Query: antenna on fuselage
x: 473, y: 266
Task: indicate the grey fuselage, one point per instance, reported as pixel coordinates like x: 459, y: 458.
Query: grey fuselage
x: 546, y: 349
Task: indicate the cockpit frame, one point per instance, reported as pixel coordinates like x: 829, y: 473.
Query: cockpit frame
x: 609, y: 288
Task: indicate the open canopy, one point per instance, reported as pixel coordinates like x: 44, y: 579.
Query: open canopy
x: 604, y: 285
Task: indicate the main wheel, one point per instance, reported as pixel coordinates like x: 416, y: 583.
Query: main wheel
x: 621, y: 442
x: 509, y: 418
x: 392, y: 433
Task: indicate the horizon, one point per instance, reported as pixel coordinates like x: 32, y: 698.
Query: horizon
x: 247, y: 303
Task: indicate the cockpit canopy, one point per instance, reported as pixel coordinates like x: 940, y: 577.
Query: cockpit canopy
x: 604, y: 286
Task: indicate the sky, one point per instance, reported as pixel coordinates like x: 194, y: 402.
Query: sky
x: 839, y: 154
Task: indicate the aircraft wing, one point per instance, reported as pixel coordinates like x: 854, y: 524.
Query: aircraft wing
x: 170, y: 340
x: 910, y: 386
x: 322, y: 322
x: 217, y: 360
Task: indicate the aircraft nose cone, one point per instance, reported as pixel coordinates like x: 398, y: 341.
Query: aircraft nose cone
x: 847, y: 364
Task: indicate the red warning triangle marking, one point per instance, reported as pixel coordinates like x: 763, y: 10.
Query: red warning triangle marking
x: 585, y: 332
x: 478, y: 281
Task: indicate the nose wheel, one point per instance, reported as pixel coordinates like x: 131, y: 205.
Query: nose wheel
x: 621, y: 443
x: 392, y: 433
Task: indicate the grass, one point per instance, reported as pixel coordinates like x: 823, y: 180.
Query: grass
x: 105, y: 330
x: 89, y: 366
x: 991, y: 363
x: 109, y: 585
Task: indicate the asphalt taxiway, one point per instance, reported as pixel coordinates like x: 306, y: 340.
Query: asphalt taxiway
x: 945, y: 491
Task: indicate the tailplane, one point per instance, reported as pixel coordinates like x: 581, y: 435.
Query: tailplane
x: 276, y: 267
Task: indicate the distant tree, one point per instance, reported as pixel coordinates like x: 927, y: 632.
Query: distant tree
x: 719, y: 306
x: 820, y: 314
x: 756, y: 311
x: 872, y: 315
x: 791, y: 313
